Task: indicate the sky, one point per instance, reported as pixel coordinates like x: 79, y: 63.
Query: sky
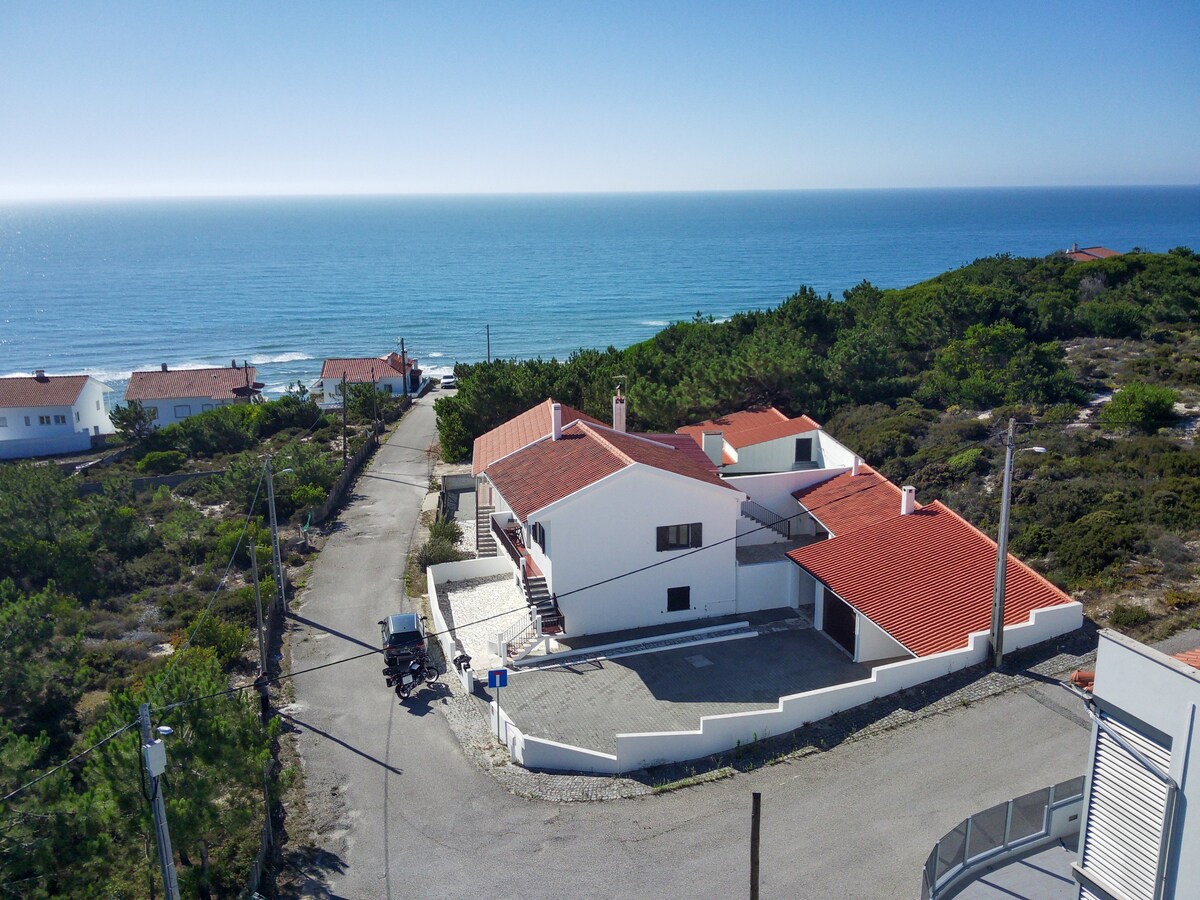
x: 123, y: 99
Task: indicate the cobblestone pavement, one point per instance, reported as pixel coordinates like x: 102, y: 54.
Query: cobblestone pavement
x: 1051, y: 662
x: 643, y: 647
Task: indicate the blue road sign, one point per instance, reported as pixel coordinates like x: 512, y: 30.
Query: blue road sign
x: 497, y: 678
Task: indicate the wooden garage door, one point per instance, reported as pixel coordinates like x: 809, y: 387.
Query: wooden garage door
x: 838, y: 621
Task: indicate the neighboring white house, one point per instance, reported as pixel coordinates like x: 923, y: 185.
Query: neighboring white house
x: 1140, y: 835
x: 42, y: 414
x: 756, y: 441
x: 387, y: 373
x: 895, y: 579
x: 173, y: 395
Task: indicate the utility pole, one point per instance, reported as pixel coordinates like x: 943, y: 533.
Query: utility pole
x: 1002, y: 551
x: 375, y: 397
x: 404, y: 366
x: 278, y: 561
x: 489, y: 341
x: 154, y: 755
x: 263, y: 698
x: 755, y: 822
x: 345, y: 399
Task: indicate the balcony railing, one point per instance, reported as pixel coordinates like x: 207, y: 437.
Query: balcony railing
x: 997, y: 833
x: 781, y: 525
x: 506, y: 540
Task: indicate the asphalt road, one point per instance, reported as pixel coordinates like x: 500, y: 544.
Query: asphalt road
x: 403, y: 813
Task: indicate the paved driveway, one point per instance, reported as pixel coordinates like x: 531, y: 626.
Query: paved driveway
x: 589, y: 704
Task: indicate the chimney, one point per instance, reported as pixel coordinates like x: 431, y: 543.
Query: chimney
x: 164, y: 367
x: 908, y: 500
x: 854, y: 466
x: 556, y: 420
x: 618, y: 419
x: 40, y: 375
x: 1074, y: 248
x: 713, y: 444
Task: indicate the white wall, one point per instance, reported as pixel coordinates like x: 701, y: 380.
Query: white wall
x: 834, y: 453
x: 79, y: 422
x: 778, y: 455
x: 610, y: 527
x: 774, y: 490
x: 1133, y: 680
x: 92, y: 409
x: 768, y: 585
x: 165, y: 410
x: 436, y: 576
x: 872, y: 642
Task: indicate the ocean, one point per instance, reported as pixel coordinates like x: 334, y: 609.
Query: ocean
x: 107, y: 288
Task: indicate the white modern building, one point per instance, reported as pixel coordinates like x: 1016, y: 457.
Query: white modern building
x: 172, y: 395
x: 756, y: 441
x: 1140, y: 836
x: 42, y: 414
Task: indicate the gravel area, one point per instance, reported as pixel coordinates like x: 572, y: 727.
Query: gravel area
x: 494, y: 600
x: 468, y: 535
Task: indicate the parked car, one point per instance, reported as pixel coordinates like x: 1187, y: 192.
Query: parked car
x: 403, y: 637
x: 449, y: 382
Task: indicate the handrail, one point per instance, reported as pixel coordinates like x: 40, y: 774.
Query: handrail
x: 779, y: 524
x: 506, y: 542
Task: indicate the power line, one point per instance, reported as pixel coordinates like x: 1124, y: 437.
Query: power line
x: 74, y: 758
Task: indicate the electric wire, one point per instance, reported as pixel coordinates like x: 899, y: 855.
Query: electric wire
x: 75, y: 758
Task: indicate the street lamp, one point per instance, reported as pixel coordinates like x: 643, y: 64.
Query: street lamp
x: 997, y: 636
x: 275, y: 533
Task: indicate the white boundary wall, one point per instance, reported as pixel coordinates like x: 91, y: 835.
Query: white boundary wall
x: 719, y: 733
x: 458, y: 571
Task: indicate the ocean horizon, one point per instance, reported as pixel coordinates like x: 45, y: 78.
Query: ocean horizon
x: 108, y: 287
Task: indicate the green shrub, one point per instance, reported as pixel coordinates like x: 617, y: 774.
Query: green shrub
x: 1126, y: 616
x: 162, y: 462
x: 1095, y: 542
x: 446, y: 529
x: 225, y: 638
x: 1146, y: 407
x: 1180, y: 599
x: 438, y: 550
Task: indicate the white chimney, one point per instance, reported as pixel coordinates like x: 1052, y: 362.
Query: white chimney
x: 854, y: 466
x: 618, y: 419
x: 908, y: 500
x: 556, y: 420
x: 714, y: 446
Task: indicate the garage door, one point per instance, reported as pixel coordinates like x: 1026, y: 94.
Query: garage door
x: 838, y: 621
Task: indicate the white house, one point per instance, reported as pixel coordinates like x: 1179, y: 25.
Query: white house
x: 173, y: 395
x: 892, y: 579
x: 765, y: 440
x: 45, y: 414
x: 1140, y: 834
x: 586, y: 502
x: 387, y: 373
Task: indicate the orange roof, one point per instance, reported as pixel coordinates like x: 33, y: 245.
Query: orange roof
x: 547, y: 471
x: 748, y: 427
x: 363, y: 370
x: 46, y: 390
x: 1191, y: 657
x: 926, y: 578
x: 848, y: 502
x: 218, y: 384
x: 519, y: 431
x: 1086, y: 254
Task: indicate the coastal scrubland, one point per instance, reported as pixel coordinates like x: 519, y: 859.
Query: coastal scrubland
x: 1097, y: 361
x: 112, y: 596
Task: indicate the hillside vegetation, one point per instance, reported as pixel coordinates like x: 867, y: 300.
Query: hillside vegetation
x: 921, y: 381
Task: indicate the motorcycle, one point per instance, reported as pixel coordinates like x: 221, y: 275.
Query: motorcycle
x: 406, y: 677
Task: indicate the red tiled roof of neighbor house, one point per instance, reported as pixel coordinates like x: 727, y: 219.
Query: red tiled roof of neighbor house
x: 521, y: 430
x: 748, y: 427
x: 46, y: 390
x: 548, y: 470
x: 217, y: 384
x: 1191, y: 657
x: 365, y: 369
x: 925, y: 578
x: 1086, y: 254
x: 849, y: 502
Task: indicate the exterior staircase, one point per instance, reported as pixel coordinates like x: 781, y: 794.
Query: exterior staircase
x: 485, y: 541
x: 545, y: 605
x: 780, y: 525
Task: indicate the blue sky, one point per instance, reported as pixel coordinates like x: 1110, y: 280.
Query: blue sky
x: 114, y: 99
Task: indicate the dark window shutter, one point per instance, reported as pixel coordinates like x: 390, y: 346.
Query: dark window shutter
x: 662, y: 538
x: 697, y: 534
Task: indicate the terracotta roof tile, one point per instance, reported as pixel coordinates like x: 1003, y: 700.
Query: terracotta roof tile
x: 49, y: 390
x: 1191, y: 657
x: 218, y: 384
x: 926, y: 578
x: 520, y: 431
x: 547, y: 471
x: 1086, y: 254
x: 363, y: 370
x: 848, y: 502
x: 749, y: 427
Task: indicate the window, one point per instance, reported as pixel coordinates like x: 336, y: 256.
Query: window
x: 206, y: 407
x: 3, y: 421
x: 60, y: 420
x: 97, y: 406
x: 679, y: 598
x: 43, y: 420
x: 537, y: 533
x: 27, y: 421
x: 183, y: 410
x: 76, y: 416
x: 804, y: 449
x: 679, y: 537
x: 153, y: 411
